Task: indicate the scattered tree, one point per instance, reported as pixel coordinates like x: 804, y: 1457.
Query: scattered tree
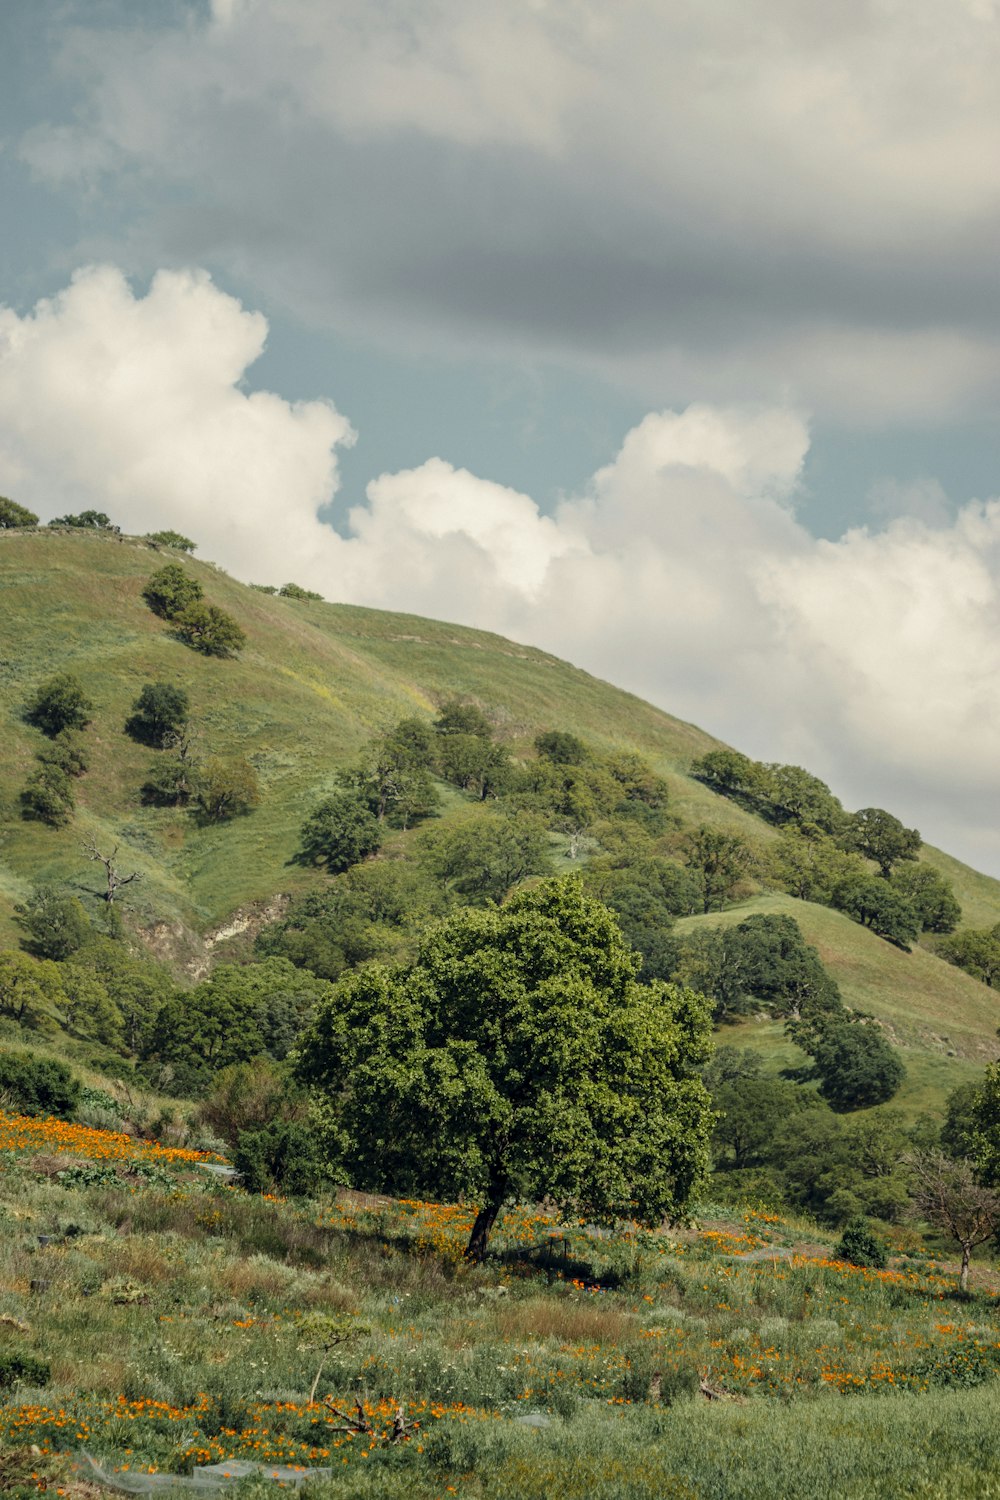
x: 929, y: 895
x: 722, y: 858
x: 55, y: 923
x: 67, y: 752
x: 47, y: 797
x: 296, y: 591
x: 209, y: 630
x: 861, y: 1246
x: 170, y: 591
x: 856, y: 1067
x: 340, y: 832
x: 517, y: 1058
x: 879, y: 836
x: 876, y: 903
x: 949, y: 1195
x: 59, y: 704
x: 30, y: 990
x: 226, y: 787
x: 115, y: 880
x: 977, y: 951
x: 483, y: 855
x: 87, y: 520
x: 561, y: 748
x: 159, y: 714
x: 13, y: 516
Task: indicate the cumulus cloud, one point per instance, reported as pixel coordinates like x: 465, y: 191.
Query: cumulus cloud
x: 680, y: 571
x: 725, y: 201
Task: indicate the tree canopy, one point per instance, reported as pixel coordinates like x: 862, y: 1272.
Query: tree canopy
x: 517, y: 1057
x: 160, y: 710
x: 14, y: 516
x: 59, y: 703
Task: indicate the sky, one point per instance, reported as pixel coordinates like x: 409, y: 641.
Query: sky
x: 664, y: 335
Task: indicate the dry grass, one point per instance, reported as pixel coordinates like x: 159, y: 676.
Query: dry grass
x: 545, y: 1319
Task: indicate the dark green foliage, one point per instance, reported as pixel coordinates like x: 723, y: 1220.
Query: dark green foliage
x: 171, y: 539
x: 234, y: 1016
x: 14, y: 516
x: 458, y: 717
x: 170, y: 591
x: 208, y: 629
x: 929, y: 895
x: 762, y: 962
x: 561, y: 748
x: 876, y: 903
x: 136, y: 985
x: 836, y: 1168
x: 38, y: 1085
x: 782, y: 794
x: 60, y: 703
x: 877, y: 835
x: 263, y: 588
x: 961, y: 1121
x: 517, y: 1057
x: 89, y: 1011
x: 47, y: 797
x: 856, y: 1067
x: 861, y: 1246
x: 977, y: 951
x: 22, y: 1369
x: 283, y: 1157
x: 87, y: 520
x: 482, y: 856
x: 721, y: 858
x: 295, y: 591
x: 646, y: 897
x: 394, y: 774
x: 340, y: 832
x: 807, y: 863
x: 225, y: 788
x: 753, y: 1110
x: 159, y: 712
x: 55, y: 923
x: 67, y: 751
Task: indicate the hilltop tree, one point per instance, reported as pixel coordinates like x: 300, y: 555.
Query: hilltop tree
x: 87, y: 520
x: 14, y: 516
x: 158, y: 714
x: 60, y: 703
x: 517, y: 1058
x: 209, y: 630
x: 172, y: 539
x: 170, y: 590
x: 881, y: 837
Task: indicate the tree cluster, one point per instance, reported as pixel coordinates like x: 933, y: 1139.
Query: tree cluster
x: 61, y: 710
x: 174, y: 595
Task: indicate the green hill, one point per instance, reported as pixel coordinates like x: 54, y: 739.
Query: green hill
x: 313, y: 683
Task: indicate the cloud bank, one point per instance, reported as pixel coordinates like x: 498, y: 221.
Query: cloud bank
x: 680, y: 571
x: 707, y: 201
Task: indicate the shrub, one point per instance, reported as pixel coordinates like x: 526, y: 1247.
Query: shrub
x: 87, y: 520
x: 56, y: 925
x: 340, y: 832
x: 227, y: 787
x: 171, y: 539
x: 66, y: 752
x: 861, y: 1246
x: 38, y: 1085
x: 296, y: 591
x: 282, y: 1155
x: 47, y: 797
x: 22, y: 1369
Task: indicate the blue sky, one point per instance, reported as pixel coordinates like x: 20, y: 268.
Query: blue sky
x: 664, y: 335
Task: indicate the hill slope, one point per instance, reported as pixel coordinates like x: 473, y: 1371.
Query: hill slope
x: 313, y: 683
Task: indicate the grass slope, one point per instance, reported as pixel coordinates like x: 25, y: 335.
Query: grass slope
x: 313, y: 683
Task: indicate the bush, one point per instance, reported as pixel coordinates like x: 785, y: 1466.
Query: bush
x: 340, y: 832
x: 296, y: 591
x: 226, y: 787
x: 281, y: 1156
x: 47, y: 797
x: 861, y: 1246
x: 22, y: 1369
x: 87, y: 520
x: 38, y: 1085
x: 171, y: 539
x: 67, y: 752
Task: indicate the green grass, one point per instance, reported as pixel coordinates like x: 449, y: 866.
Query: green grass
x: 181, y: 1323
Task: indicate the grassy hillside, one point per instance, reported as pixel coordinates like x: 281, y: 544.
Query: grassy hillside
x: 313, y: 683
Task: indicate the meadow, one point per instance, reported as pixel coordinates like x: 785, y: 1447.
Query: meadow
x: 185, y: 1322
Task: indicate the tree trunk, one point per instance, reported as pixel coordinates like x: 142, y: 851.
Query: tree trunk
x: 485, y: 1220
x: 963, y: 1278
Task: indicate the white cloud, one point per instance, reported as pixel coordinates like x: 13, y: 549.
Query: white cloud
x: 681, y: 572
x: 712, y: 201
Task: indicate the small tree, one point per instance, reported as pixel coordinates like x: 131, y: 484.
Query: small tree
x: 47, y: 797
x: 14, y: 516
x: 722, y: 857
x: 482, y: 856
x: 517, y: 1058
x: 55, y: 923
x: 114, y: 877
x: 226, y: 787
x: 209, y: 630
x: 857, y: 1068
x: 296, y: 591
x: 172, y: 539
x: 930, y: 896
x: 861, y: 1246
x: 30, y: 991
x: 881, y: 837
x: 60, y: 703
x: 158, y: 714
x: 67, y: 752
x: 561, y: 748
x: 340, y: 832
x: 949, y: 1195
x: 170, y: 590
